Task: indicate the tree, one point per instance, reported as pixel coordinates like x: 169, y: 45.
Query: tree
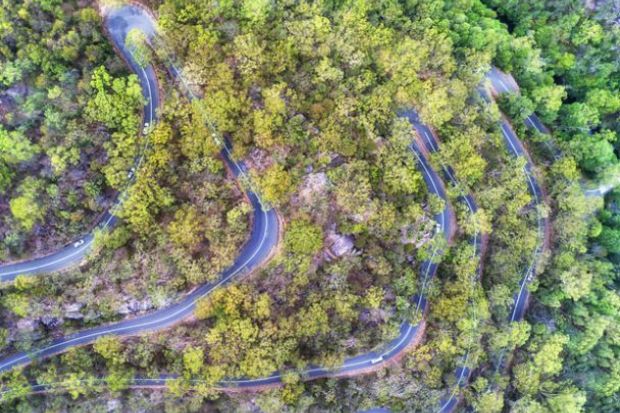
x: 593, y: 152
x: 374, y: 297
x: 399, y: 175
x: 26, y: 208
x: 489, y: 402
x: 548, y: 100
x: 256, y: 11
x: 610, y: 239
x: 186, y: 230
x: 138, y: 45
x: 144, y: 200
x: 4, y: 335
x: 275, y: 184
x: 15, y: 147
x: 579, y: 117
x: 569, y: 400
x: 6, y: 176
x: 545, y: 362
x: 115, y: 105
x: 17, y: 303
x: 352, y: 187
x: 303, y: 238
x: 193, y: 360
x: 115, y: 101
x: 110, y: 348
x: 17, y: 386
x: 604, y: 100
x: 119, y: 377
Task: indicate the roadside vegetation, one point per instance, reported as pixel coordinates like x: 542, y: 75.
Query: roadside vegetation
x: 573, y: 83
x: 308, y: 93
x: 69, y: 113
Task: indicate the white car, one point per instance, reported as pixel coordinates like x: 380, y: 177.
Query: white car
x: 131, y: 172
x: 78, y: 243
x: 376, y: 360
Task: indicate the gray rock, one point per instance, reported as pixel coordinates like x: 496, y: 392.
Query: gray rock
x: 92, y: 316
x: 73, y: 307
x: 338, y: 245
x: 113, y: 405
x: 132, y: 306
x: 50, y: 321
x: 74, y: 315
x: 124, y: 309
x: 72, y: 311
x: 26, y: 325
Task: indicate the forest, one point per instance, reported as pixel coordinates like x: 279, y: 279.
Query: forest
x: 309, y: 96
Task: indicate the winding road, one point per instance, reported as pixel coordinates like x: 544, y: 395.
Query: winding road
x: 264, y: 236
x: 462, y: 372
x: 500, y: 83
x: 504, y: 83
x: 76, y: 252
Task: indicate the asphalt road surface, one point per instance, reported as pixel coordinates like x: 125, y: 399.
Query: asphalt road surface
x: 429, y: 139
x: 263, y: 237
x: 118, y: 24
x: 351, y: 366
x: 504, y: 83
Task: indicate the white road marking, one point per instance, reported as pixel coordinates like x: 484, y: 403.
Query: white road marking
x: 169, y: 316
x: 145, y: 324
x: 88, y: 244
x: 47, y: 264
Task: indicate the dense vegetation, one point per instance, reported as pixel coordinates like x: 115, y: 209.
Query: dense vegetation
x: 309, y: 93
x: 574, y: 84
x: 70, y: 123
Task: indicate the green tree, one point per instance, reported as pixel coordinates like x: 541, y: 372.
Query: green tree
x: 579, y: 117
x: 138, y: 45
x: 610, y: 239
x: 193, y: 360
x: 26, y: 208
x: 275, y: 184
x: 110, y: 348
x: 256, y: 11
x: 594, y: 152
x: 303, y: 238
x: 186, y: 230
x: 15, y: 147
x: 6, y: 176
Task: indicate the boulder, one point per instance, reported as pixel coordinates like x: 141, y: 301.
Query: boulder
x: 338, y: 245
x: 113, y: 405
x: 72, y: 311
x: 26, y: 325
x: 50, y: 322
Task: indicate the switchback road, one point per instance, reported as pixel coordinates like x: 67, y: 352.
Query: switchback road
x: 75, y: 253
x: 429, y: 139
x: 119, y: 21
x: 503, y: 83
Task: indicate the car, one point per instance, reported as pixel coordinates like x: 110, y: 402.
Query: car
x: 130, y: 173
x: 78, y: 243
x: 376, y: 360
